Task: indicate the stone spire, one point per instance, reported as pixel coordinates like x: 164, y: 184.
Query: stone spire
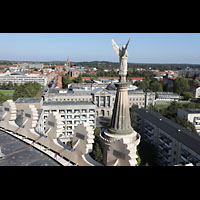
x: 120, y: 122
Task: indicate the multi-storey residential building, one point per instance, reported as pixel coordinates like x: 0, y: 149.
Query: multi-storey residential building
x: 56, y: 94
x: 174, y: 144
x: 192, y: 115
x: 166, y: 97
x: 72, y: 114
x: 31, y: 66
x: 20, y: 78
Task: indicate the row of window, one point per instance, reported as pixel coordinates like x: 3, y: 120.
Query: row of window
x: 64, y: 99
x: 70, y: 111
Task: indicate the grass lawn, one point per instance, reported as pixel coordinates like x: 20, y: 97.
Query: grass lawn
x: 163, y: 106
x: 7, y: 92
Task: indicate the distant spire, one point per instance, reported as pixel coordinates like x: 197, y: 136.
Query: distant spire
x: 68, y: 62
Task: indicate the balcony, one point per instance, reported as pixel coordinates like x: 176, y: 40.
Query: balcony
x: 61, y: 111
x: 184, y: 159
x: 197, y: 121
x: 83, y: 116
x: 197, y: 126
x: 76, y: 117
x: 69, y: 127
x: 168, y: 145
x: 76, y: 111
x: 69, y: 117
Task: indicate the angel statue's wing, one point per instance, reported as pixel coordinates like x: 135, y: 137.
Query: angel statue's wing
x: 127, y: 43
x: 116, y: 47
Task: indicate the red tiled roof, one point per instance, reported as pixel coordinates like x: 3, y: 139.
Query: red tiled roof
x: 86, y: 78
x: 3, y: 66
x: 137, y: 78
x: 108, y: 78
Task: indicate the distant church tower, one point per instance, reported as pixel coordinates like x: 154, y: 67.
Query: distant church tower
x: 67, y: 65
x: 68, y: 62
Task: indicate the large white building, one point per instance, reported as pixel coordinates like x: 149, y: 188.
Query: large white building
x: 72, y: 114
x: 20, y: 78
x: 104, y: 99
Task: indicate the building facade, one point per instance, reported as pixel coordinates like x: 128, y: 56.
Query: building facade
x: 174, y: 144
x: 56, y: 94
x: 192, y: 115
x: 103, y: 99
x: 21, y: 79
x: 166, y: 97
x: 72, y: 114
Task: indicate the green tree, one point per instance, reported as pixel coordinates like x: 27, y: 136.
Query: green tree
x: 187, y: 95
x: 182, y: 121
x: 144, y: 85
x: 97, y: 153
x: 155, y: 86
x: 133, y: 117
x: 78, y: 79
x: 147, y: 154
x: 4, y: 98
x: 65, y: 81
x: 29, y: 89
x: 180, y: 85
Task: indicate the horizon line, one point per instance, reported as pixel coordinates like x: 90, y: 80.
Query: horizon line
x: 156, y: 63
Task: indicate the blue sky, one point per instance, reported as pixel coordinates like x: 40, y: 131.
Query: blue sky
x: 143, y: 47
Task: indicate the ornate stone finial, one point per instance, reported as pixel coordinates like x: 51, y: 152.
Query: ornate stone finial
x: 29, y: 122
x: 9, y: 116
x: 53, y: 126
x: 30, y: 117
x: 83, y: 138
x: 9, y: 110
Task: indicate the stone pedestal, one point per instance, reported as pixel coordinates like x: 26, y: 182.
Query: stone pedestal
x: 114, y: 151
x: 120, y: 140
